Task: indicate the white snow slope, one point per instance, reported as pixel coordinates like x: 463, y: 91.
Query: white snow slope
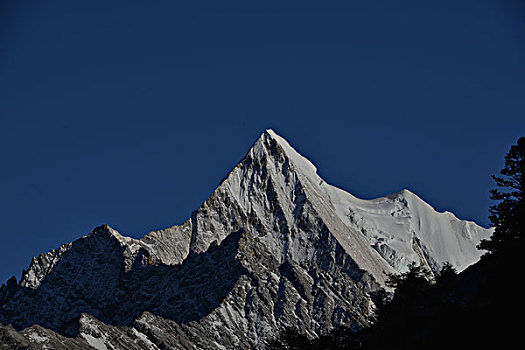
x: 402, y: 227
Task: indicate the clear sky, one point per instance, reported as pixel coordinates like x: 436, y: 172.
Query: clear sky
x: 131, y: 112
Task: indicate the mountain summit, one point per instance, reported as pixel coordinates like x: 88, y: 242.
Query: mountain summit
x: 275, y: 247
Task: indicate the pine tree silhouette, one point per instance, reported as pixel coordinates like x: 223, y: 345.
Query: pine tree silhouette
x: 508, y: 216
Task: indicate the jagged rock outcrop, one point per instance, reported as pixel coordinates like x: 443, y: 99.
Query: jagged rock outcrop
x: 274, y: 247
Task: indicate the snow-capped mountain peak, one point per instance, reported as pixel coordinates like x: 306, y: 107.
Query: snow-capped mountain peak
x: 274, y: 247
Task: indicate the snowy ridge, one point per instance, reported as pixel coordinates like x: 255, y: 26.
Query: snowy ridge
x: 404, y: 229
x: 273, y: 247
x: 395, y: 223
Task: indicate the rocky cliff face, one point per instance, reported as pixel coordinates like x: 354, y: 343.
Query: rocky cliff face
x: 274, y: 247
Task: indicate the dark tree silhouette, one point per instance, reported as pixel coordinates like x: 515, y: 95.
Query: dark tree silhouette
x: 508, y: 216
x: 408, y: 309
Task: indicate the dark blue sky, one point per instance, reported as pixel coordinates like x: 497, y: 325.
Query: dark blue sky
x: 131, y: 112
